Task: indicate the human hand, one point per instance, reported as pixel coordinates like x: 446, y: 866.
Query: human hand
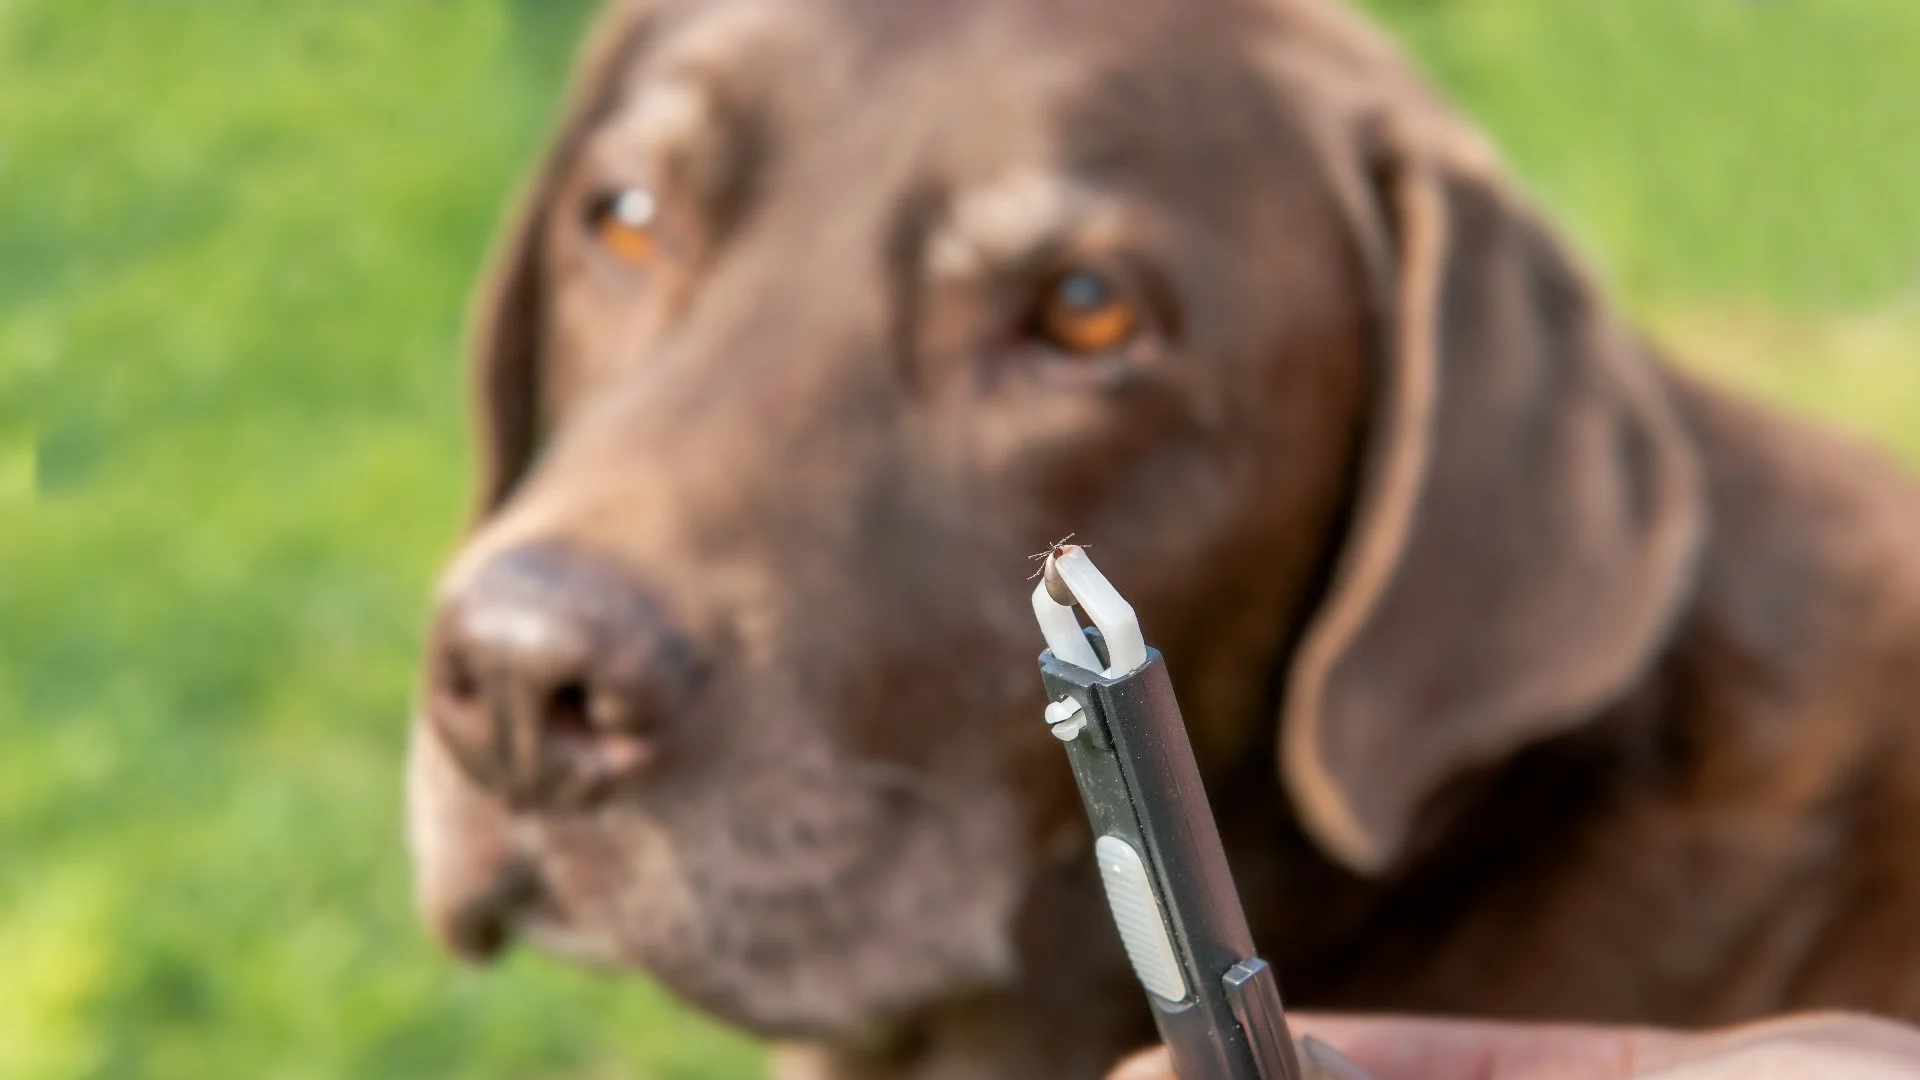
x: 1829, y: 1046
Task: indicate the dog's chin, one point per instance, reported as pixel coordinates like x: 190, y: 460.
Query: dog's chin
x: 839, y: 1003
x: 865, y: 1001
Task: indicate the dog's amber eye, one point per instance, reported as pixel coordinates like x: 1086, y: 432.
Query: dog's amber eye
x: 623, y: 222
x: 1084, y: 312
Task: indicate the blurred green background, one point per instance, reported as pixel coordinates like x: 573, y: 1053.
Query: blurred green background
x: 235, y: 242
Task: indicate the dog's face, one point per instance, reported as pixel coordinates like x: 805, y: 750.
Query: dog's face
x: 823, y: 318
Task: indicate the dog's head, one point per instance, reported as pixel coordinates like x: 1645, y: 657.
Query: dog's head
x: 821, y: 317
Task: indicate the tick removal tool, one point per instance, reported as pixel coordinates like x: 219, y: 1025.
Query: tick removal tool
x: 1216, y: 1003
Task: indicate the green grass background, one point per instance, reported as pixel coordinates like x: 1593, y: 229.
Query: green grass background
x: 235, y: 242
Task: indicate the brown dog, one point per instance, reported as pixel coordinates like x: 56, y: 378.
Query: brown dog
x: 1530, y: 679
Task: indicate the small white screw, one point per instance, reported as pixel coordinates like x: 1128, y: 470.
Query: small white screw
x: 1066, y: 719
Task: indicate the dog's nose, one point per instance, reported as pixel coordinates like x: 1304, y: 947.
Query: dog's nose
x: 553, y: 675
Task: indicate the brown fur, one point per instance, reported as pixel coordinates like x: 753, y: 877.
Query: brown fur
x: 1592, y: 684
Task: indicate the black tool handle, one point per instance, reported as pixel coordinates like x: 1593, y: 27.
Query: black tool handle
x: 1170, y: 888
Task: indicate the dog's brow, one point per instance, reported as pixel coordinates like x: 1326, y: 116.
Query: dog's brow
x: 1004, y: 221
x: 677, y: 127
x: 671, y: 117
x: 725, y: 39
x: 674, y: 100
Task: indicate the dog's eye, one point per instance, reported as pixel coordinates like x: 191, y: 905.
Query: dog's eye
x: 1084, y: 312
x: 623, y: 222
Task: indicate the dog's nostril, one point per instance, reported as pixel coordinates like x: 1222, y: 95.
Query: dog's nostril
x: 567, y: 710
x: 459, y: 681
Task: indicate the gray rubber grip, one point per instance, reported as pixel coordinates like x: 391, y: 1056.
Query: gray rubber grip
x: 1143, y: 927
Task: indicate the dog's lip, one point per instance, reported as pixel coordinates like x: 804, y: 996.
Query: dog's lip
x: 483, y: 925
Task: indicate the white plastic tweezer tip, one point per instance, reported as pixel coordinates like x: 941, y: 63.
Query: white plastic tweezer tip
x: 1069, y: 570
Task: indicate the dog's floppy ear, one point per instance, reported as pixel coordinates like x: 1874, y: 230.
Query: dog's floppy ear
x: 507, y: 328
x: 1528, y: 515
x: 509, y: 318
